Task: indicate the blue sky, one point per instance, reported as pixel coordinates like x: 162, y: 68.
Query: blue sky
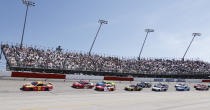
x: 73, y: 24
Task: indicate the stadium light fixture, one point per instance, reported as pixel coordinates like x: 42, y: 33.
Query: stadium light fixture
x: 194, y: 35
x: 27, y: 3
x: 101, y: 23
x: 147, y: 32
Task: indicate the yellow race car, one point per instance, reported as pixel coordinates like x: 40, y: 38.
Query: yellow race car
x: 133, y: 88
x: 109, y: 82
x: 37, y: 86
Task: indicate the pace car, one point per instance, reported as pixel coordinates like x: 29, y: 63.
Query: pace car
x: 202, y: 87
x: 183, y: 88
x: 133, y: 88
x: 105, y: 86
x: 83, y: 84
x: 144, y: 84
x: 37, y: 86
x: 160, y: 87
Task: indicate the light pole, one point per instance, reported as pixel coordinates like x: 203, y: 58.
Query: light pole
x: 101, y: 22
x: 147, y: 32
x: 194, y: 35
x: 27, y: 3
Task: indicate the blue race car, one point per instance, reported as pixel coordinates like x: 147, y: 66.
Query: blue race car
x: 183, y: 88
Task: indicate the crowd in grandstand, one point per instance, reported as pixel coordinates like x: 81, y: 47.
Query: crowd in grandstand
x: 56, y: 59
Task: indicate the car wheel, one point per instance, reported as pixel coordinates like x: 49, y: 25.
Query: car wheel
x: 22, y: 89
x: 31, y: 89
x: 46, y: 89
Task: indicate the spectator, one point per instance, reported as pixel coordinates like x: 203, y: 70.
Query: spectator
x: 57, y: 59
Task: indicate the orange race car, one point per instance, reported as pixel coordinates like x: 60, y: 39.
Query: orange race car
x: 37, y: 86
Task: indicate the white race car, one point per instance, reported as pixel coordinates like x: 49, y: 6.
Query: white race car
x: 159, y: 88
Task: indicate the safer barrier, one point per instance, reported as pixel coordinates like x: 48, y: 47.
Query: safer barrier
x: 83, y: 77
x: 5, y: 73
x: 93, y: 77
x: 206, y: 80
x: 118, y: 78
x: 38, y: 75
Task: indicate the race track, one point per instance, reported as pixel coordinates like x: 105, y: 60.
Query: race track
x: 63, y: 97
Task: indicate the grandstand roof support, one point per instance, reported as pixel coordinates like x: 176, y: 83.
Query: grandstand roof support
x: 27, y: 3
x: 147, y: 32
x: 194, y: 35
x: 101, y: 22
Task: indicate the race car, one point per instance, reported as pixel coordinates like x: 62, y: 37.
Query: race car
x: 109, y: 82
x: 178, y: 85
x: 144, y: 84
x: 105, y: 86
x: 196, y: 85
x: 160, y: 87
x: 83, y: 84
x: 133, y: 88
x: 37, y: 86
x: 202, y: 87
x: 161, y: 84
x: 183, y: 88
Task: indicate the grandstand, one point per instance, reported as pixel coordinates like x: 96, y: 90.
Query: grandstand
x: 56, y: 61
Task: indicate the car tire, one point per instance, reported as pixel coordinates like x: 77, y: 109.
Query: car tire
x: 31, y: 89
x: 46, y: 89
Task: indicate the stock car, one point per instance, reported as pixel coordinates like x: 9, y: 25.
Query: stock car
x: 83, y: 84
x: 144, y: 84
x: 201, y: 87
x: 183, y: 88
x: 105, y: 86
x: 160, y: 87
x: 178, y: 85
x: 37, y: 86
x: 196, y: 85
x: 133, y: 88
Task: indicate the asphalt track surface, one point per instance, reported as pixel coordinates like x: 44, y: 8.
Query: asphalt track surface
x: 63, y: 97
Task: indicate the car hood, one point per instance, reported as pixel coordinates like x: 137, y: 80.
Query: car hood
x: 28, y: 85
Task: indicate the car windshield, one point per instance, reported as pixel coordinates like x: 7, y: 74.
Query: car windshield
x: 132, y: 85
x: 100, y: 84
x: 109, y: 86
x: 159, y: 86
x: 34, y: 83
x: 81, y: 82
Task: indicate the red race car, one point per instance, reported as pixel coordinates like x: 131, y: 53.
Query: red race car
x: 37, y: 86
x: 105, y: 87
x: 201, y: 87
x: 83, y: 84
x: 197, y: 85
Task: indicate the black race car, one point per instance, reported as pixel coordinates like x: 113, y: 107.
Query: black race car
x: 144, y: 84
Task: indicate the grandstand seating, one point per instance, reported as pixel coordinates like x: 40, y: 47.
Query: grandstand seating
x: 33, y: 58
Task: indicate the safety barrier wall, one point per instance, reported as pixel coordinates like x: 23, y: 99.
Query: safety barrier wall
x: 118, y: 78
x: 5, y: 73
x: 83, y: 77
x: 206, y: 81
x: 38, y: 75
x: 144, y: 79
x: 92, y: 77
x: 167, y: 80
